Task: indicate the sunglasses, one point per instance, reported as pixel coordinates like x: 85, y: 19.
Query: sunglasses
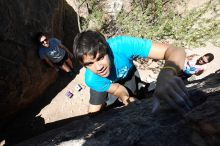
x: 45, y: 40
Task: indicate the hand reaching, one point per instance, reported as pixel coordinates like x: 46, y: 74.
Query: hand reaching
x: 129, y: 100
x: 171, y: 89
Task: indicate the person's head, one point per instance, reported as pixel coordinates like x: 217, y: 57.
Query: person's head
x: 42, y: 39
x: 205, y: 59
x: 91, y: 50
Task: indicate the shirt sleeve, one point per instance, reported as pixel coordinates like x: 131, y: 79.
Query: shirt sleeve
x: 131, y: 46
x: 55, y: 41
x: 41, y: 53
x: 96, y: 82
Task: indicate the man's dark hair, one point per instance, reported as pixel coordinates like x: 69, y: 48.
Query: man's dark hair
x: 89, y: 43
x: 210, y: 56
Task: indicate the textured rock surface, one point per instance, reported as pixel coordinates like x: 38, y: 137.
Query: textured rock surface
x: 135, y: 125
x: 23, y: 77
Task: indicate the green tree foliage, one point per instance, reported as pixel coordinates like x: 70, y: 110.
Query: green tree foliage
x: 159, y: 20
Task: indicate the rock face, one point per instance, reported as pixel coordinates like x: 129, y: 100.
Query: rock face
x: 135, y: 125
x: 23, y: 77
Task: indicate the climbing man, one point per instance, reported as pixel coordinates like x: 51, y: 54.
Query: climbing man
x: 110, y: 70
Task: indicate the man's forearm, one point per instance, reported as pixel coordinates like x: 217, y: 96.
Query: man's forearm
x: 174, y: 56
x: 170, y: 87
x: 119, y: 91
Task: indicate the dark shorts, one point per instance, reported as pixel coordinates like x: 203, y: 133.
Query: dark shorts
x: 130, y: 83
x: 63, y: 60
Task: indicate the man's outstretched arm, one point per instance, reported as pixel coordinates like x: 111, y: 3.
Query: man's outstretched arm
x: 170, y: 87
x: 169, y: 53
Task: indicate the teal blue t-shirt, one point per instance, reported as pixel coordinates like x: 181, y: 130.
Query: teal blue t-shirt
x: 124, y: 50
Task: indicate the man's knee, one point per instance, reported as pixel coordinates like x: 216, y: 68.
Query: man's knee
x: 65, y: 67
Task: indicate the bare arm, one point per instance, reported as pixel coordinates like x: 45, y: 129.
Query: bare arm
x: 119, y: 91
x: 199, y: 72
x: 169, y: 53
x: 49, y: 62
x: 169, y: 86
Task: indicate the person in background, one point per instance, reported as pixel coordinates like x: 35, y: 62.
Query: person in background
x: 110, y: 70
x: 196, y: 65
x: 54, y: 52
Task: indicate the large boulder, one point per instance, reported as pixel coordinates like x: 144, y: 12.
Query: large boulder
x: 136, y: 125
x: 23, y: 77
